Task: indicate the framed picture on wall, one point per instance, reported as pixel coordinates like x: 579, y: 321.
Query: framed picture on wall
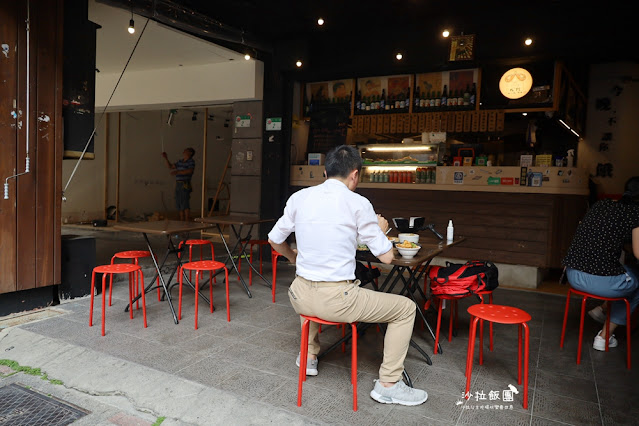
x: 462, y: 48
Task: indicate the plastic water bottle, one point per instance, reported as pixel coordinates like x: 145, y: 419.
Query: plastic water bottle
x: 450, y: 231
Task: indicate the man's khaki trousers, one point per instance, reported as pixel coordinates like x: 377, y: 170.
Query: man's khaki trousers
x: 345, y: 301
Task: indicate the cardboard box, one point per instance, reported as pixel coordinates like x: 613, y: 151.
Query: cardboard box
x: 315, y: 159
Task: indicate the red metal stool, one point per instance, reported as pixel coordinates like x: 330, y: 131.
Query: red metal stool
x: 502, y: 315
x: 304, y: 356
x: 584, y: 297
x: 119, y: 268
x: 454, y: 314
x: 252, y: 243
x: 200, y: 266
x: 135, y: 255
x: 274, y: 256
x: 200, y: 243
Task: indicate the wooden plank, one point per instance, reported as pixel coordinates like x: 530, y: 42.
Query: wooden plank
x: 393, y: 124
x: 373, y: 124
x: 443, y: 121
x: 59, y: 145
x: 414, y: 123
x: 500, y: 121
x: 380, y: 123
x: 483, y: 121
x: 474, y: 126
x: 367, y: 124
x: 8, y: 92
x: 492, y: 121
x: 468, y: 117
x: 459, y: 121
x: 450, y: 126
x: 422, y: 122
x: 47, y: 31
x: 428, y: 122
x: 26, y: 188
x: 387, y: 124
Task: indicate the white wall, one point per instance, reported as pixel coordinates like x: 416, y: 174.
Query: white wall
x: 623, y: 150
x: 196, y: 85
x: 146, y: 185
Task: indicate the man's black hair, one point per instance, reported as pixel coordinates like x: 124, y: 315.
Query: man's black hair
x: 631, y: 191
x: 191, y: 150
x: 337, y: 85
x: 342, y: 160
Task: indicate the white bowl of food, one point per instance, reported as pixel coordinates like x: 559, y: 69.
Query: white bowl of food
x: 411, y: 238
x: 407, y: 249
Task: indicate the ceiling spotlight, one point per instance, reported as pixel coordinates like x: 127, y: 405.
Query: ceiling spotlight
x: 194, y: 118
x: 320, y: 22
x: 131, y: 26
x: 528, y: 41
x: 399, y: 56
x: 298, y: 64
x: 445, y: 33
x: 247, y: 56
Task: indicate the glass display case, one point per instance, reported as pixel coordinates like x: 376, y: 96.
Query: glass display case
x: 399, y: 162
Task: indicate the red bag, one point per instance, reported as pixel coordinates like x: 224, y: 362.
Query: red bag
x: 461, y: 279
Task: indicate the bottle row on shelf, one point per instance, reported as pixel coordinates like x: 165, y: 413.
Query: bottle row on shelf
x: 422, y: 101
x: 420, y: 175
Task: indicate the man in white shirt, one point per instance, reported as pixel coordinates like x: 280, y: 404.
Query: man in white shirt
x: 328, y: 220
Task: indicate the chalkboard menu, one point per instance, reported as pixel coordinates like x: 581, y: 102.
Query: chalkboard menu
x: 327, y: 129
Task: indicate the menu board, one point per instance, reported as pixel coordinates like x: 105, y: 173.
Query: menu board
x: 328, y: 127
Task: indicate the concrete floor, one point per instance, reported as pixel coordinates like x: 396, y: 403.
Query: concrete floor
x: 243, y: 371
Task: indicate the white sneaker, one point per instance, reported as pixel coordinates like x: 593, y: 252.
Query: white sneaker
x: 399, y: 393
x: 598, y: 314
x: 600, y: 343
x: 311, y: 366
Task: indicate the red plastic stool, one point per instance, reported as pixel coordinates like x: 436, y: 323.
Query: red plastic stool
x: 119, y: 268
x: 274, y: 256
x: 200, y: 243
x: 135, y: 255
x: 200, y: 266
x: 304, y: 356
x: 502, y: 315
x: 584, y: 297
x: 454, y: 314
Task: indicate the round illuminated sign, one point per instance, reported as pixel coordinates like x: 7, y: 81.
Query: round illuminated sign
x: 515, y: 83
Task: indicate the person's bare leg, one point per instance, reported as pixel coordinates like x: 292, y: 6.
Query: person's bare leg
x: 181, y: 214
x: 187, y: 215
x: 612, y: 329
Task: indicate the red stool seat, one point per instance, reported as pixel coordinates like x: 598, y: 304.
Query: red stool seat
x: 200, y: 266
x: 201, y: 244
x: 454, y: 313
x: 584, y: 297
x: 502, y: 315
x: 304, y: 355
x: 120, y: 268
x: 135, y: 255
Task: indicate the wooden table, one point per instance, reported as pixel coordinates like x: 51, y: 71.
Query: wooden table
x: 168, y: 228
x: 237, y: 222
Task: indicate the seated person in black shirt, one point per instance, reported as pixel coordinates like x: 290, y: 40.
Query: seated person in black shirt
x: 593, y: 259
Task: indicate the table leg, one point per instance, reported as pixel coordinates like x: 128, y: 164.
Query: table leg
x: 230, y: 256
x: 158, y: 268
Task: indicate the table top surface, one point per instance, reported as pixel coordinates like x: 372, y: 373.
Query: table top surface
x: 232, y: 219
x: 166, y: 227
x: 430, y: 248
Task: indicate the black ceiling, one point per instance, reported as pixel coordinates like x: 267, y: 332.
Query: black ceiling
x: 364, y: 35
